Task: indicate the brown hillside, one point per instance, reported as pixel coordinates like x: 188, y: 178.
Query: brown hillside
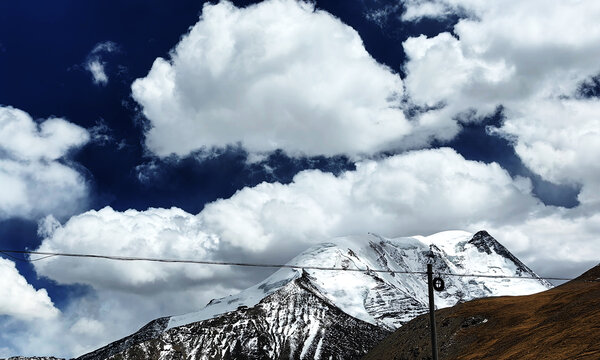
x: 561, y: 323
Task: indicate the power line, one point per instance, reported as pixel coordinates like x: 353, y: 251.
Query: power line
x: 505, y: 276
x: 201, y: 262
x: 22, y: 259
x: 14, y: 257
x: 228, y: 263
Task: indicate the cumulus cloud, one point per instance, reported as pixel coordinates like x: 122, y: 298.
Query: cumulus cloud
x: 166, y: 233
x: 497, y: 58
x: 276, y: 75
x: 531, y: 57
x: 21, y: 300
x: 34, y: 180
x: 417, y: 192
x: 512, y: 49
x: 560, y: 140
x: 393, y: 196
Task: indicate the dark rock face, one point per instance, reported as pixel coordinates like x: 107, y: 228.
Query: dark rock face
x: 486, y: 243
x: 150, y: 331
x: 295, y: 322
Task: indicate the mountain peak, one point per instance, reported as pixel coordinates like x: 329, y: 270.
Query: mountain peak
x: 391, y: 295
x: 378, y: 286
x: 485, y: 242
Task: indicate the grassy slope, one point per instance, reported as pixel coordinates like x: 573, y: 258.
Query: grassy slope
x: 561, y: 323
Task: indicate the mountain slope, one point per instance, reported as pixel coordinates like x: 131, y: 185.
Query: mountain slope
x: 292, y: 323
x: 299, y: 313
x: 561, y: 323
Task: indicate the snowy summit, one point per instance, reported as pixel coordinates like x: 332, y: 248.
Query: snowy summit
x: 306, y: 313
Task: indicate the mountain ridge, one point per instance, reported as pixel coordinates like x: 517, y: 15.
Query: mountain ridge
x: 452, y: 249
x: 295, y: 313
x: 259, y: 327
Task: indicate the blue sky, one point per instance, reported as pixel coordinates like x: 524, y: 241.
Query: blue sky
x: 235, y: 132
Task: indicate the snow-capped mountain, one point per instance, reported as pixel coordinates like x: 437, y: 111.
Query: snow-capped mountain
x: 308, y: 313
x: 384, y: 298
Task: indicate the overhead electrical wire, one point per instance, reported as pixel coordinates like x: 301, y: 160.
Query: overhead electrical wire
x: 46, y: 254
x: 24, y: 260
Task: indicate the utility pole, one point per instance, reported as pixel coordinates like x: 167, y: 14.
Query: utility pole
x: 434, y: 350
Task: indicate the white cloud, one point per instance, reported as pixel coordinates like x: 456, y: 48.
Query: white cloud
x: 96, y: 67
x: 94, y: 63
x: 105, y: 312
x: 507, y: 53
x: 23, y: 139
x: 21, y: 300
x: 34, y: 180
x: 439, y: 71
x: 276, y: 75
x: 560, y: 140
x: 418, y: 9
x: 166, y: 233
x: 560, y: 242
x: 418, y: 192
x: 105, y: 47
x: 102, y: 134
x: 391, y: 197
x: 381, y: 14
x: 530, y: 57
